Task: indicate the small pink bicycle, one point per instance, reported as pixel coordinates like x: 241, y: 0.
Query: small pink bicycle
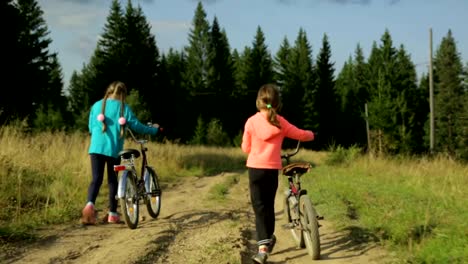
x: 301, y: 216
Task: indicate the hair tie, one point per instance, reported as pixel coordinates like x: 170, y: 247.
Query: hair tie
x: 100, y: 117
x: 268, y: 106
x: 122, y: 121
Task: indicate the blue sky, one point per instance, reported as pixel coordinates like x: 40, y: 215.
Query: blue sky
x: 75, y: 25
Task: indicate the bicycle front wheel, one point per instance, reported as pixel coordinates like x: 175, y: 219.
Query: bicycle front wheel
x: 291, y: 215
x: 153, y: 193
x: 129, y: 202
x: 310, y: 224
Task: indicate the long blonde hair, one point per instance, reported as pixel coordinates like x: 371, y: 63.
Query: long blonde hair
x: 268, y: 98
x: 116, y: 90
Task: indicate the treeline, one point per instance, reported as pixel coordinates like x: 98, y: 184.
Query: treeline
x: 203, y: 93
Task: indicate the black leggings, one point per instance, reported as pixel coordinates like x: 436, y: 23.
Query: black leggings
x: 98, y: 162
x: 263, y: 184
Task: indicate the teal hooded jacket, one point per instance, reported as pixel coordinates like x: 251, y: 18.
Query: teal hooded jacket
x: 109, y: 143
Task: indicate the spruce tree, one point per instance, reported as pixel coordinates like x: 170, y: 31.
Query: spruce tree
x: 198, y: 52
x: 175, y: 118
x: 196, y: 74
x: 281, y: 64
x: 410, y: 103
x: 346, y: 90
x: 297, y: 95
x: 259, y: 64
x: 449, y: 95
x: 326, y: 96
x: 30, y: 56
x: 142, y: 61
x: 220, y: 79
x: 10, y: 15
x: 256, y: 69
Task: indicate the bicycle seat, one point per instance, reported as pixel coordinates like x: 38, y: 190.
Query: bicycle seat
x: 296, y: 168
x: 127, y: 153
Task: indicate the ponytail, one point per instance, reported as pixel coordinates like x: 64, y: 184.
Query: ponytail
x: 268, y: 98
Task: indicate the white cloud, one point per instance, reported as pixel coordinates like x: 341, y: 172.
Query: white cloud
x: 71, y: 15
x: 83, y: 45
x: 170, y: 26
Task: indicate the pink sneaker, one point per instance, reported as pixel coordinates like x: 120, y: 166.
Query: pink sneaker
x: 113, y: 219
x: 88, y: 215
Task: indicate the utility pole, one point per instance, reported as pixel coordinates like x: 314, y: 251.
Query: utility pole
x: 431, y: 94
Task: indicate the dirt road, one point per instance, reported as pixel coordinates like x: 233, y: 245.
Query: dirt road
x: 190, y: 229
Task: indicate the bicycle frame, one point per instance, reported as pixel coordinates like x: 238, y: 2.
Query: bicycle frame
x: 134, y: 187
x: 130, y: 166
x: 294, y: 180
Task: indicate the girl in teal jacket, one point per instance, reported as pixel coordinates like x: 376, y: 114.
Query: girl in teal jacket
x: 107, y: 121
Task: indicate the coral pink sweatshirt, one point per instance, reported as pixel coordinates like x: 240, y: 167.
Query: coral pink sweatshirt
x: 263, y: 141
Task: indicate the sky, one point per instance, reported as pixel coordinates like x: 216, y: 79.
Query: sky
x: 75, y: 25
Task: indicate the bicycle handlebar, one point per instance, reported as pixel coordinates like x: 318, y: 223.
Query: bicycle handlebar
x: 286, y: 156
x: 140, y: 141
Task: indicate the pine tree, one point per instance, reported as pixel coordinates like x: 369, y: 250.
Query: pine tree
x: 142, y: 60
x: 361, y: 97
x: 352, y: 93
x: 259, y: 64
x: 410, y: 105
x: 30, y: 56
x: 256, y: 69
x: 198, y: 52
x: 221, y: 78
x: 298, y: 94
x: 176, y: 117
x: 345, y: 87
x: 107, y: 63
x: 386, y: 102
x: 240, y: 71
x: 196, y: 74
x: 449, y: 95
x: 326, y: 96
x: 281, y: 64
x: 10, y: 15
x: 423, y: 86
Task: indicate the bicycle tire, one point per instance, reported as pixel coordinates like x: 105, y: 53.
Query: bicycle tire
x: 293, y: 226
x: 310, y: 224
x: 153, y: 195
x: 129, y: 202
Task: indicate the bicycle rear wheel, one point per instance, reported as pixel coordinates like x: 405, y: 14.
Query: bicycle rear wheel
x: 153, y: 193
x: 310, y: 224
x: 292, y: 221
x: 129, y: 202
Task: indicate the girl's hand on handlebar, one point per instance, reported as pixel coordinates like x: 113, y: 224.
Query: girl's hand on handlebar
x: 155, y: 125
x: 160, y: 128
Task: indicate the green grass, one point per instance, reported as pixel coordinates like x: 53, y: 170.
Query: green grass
x: 220, y: 191
x: 417, y: 207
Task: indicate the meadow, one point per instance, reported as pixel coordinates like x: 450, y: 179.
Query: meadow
x: 415, y: 207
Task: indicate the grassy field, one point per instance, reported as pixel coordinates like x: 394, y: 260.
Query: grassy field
x: 418, y: 208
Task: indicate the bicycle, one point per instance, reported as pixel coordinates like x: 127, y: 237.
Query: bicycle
x: 301, y: 216
x: 134, y: 187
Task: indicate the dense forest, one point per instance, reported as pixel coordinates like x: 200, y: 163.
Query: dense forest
x: 203, y: 93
